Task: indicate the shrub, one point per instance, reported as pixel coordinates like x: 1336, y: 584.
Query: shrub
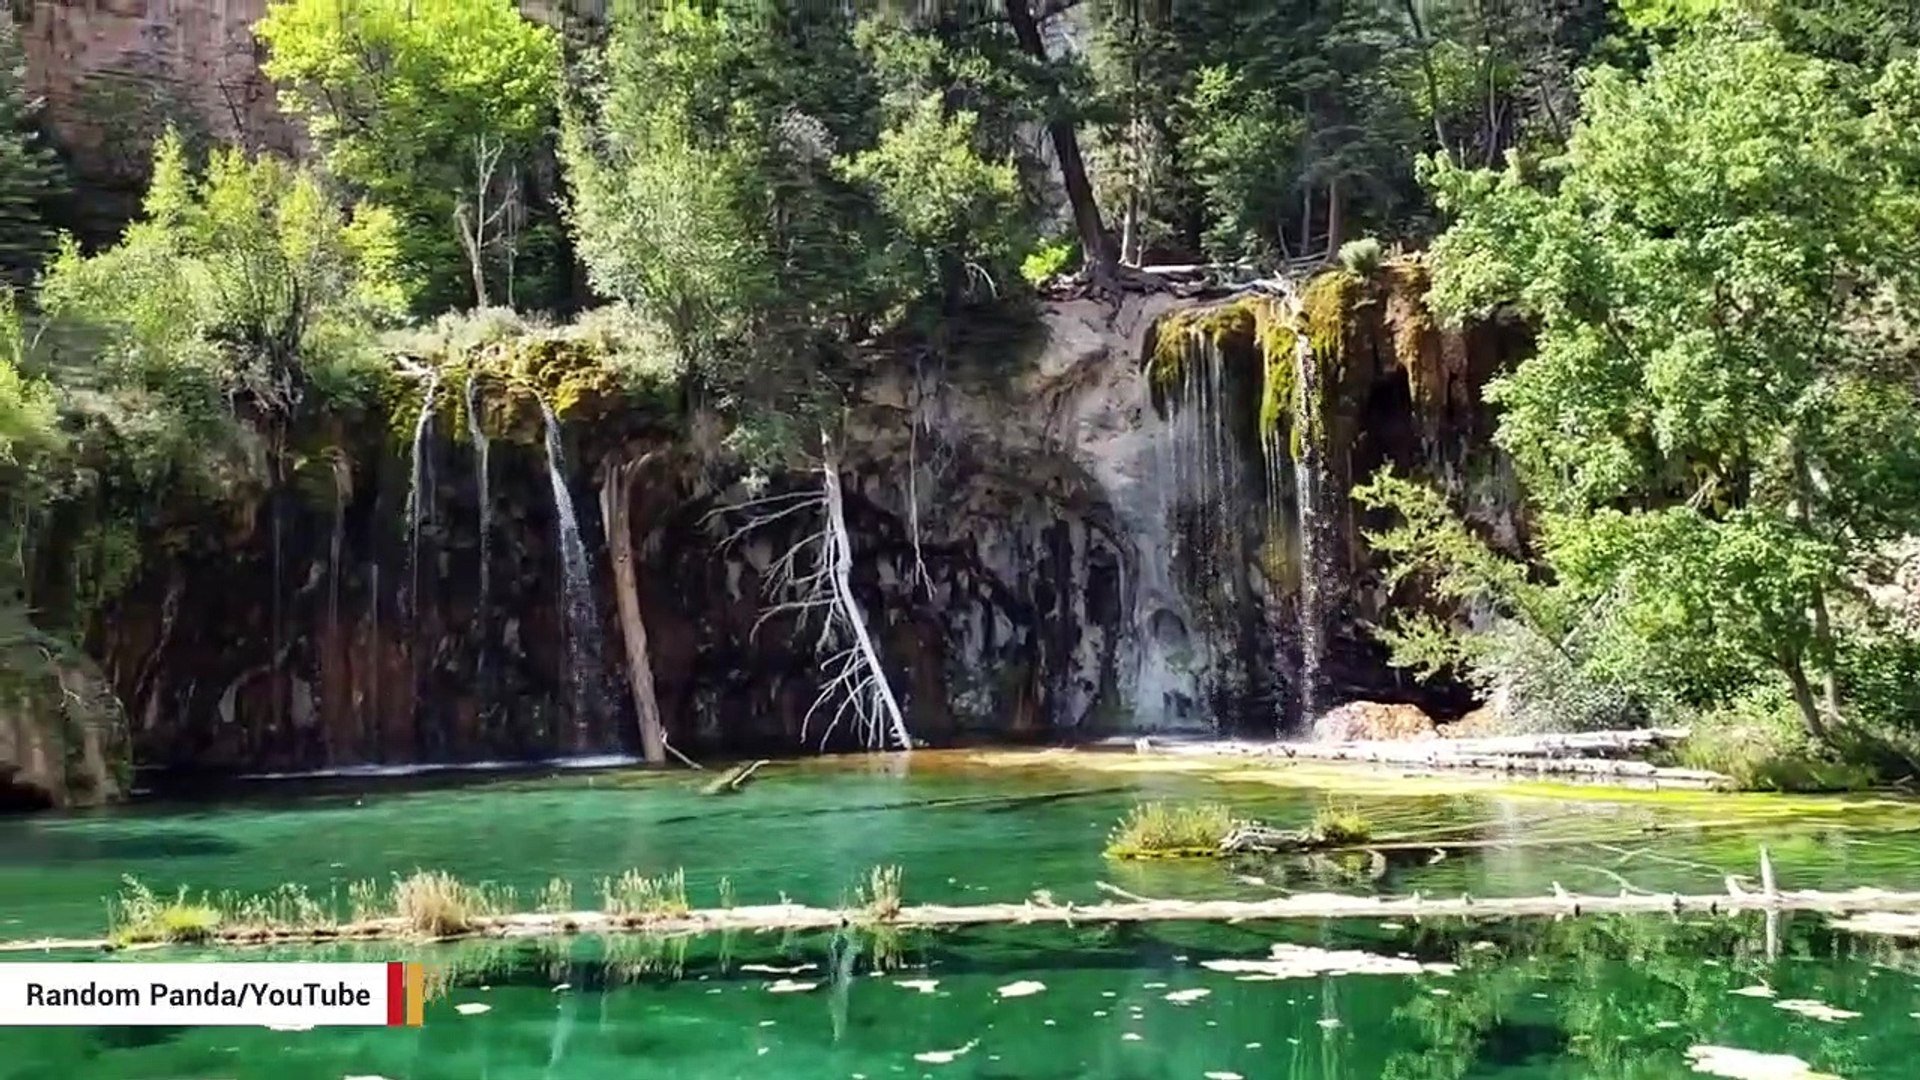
x: 1164, y: 829
x: 1758, y: 740
x: 438, y: 904
x: 1333, y: 825
x: 557, y: 897
x: 881, y: 895
x: 1046, y: 262
x: 1361, y: 257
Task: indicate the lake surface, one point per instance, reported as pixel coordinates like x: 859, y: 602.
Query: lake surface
x: 1616, y: 997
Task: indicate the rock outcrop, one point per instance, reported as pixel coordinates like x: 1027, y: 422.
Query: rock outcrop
x: 62, y: 734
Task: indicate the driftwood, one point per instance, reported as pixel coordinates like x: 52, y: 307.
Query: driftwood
x: 616, y: 498
x: 733, y: 779
x: 799, y: 917
x: 1251, y: 837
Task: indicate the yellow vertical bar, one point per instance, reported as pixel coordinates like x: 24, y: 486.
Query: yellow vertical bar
x: 416, y: 995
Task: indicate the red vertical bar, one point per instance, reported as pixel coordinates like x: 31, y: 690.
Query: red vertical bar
x: 396, y: 994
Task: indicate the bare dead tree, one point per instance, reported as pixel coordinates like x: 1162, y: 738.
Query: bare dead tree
x: 481, y: 227
x: 816, y: 574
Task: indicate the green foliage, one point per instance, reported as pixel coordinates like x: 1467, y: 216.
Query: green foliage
x: 773, y: 189
x: 1245, y: 151
x: 1168, y: 830
x: 27, y: 413
x: 1361, y: 257
x: 435, y: 108
x: 1757, y: 739
x: 240, y: 281
x: 1047, y: 261
x: 957, y: 217
x: 1708, y: 402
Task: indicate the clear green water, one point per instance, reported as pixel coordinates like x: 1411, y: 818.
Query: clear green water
x: 1583, y: 998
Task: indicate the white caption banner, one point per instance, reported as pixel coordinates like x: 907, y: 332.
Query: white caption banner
x: 211, y: 994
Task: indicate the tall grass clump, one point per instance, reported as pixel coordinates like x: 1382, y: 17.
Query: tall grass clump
x: 634, y: 893
x: 1333, y: 826
x: 1170, y: 830
x: 556, y: 898
x: 138, y: 915
x: 880, y: 896
x: 438, y: 904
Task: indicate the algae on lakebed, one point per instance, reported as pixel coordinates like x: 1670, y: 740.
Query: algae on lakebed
x: 1584, y: 998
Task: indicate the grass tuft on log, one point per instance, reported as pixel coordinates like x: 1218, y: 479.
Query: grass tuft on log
x: 1170, y: 830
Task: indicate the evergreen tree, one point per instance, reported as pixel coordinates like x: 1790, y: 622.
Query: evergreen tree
x: 29, y: 173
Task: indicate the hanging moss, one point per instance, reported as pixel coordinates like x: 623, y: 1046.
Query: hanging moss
x: 1247, y: 330
x: 1326, y: 306
x: 582, y: 372
x: 1221, y: 324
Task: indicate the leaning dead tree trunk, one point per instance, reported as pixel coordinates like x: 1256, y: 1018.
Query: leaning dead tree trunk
x: 817, y: 573
x: 840, y: 549
x: 616, y: 497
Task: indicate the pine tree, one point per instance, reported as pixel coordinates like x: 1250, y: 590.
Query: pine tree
x: 29, y: 173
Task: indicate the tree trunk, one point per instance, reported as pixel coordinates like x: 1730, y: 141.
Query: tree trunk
x: 1094, y: 242
x: 616, y: 493
x: 1810, y: 717
x: 1426, y: 67
x: 1823, y: 646
x: 1335, y: 224
x: 1306, y: 219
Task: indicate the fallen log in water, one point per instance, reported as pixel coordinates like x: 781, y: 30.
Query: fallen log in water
x: 799, y: 917
x: 1564, y: 755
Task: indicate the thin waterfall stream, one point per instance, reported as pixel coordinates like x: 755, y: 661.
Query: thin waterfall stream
x: 1315, y: 564
x: 576, y: 600
x: 419, y: 491
x: 481, y: 446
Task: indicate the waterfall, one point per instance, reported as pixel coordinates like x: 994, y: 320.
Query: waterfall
x: 1201, y: 456
x: 419, y: 492
x: 373, y: 652
x: 480, y: 448
x: 576, y: 598
x: 1316, y: 566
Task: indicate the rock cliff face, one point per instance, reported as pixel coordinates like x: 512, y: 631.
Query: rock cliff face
x: 1036, y: 600
x: 113, y: 74
x: 1032, y: 552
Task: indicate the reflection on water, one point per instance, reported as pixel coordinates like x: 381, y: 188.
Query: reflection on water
x: 1593, y: 997
x: 1580, y: 998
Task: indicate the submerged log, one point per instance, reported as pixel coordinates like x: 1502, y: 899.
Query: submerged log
x: 733, y: 779
x: 799, y: 917
x: 1251, y: 837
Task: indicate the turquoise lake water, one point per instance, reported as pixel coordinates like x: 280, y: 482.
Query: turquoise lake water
x: 1613, y: 997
